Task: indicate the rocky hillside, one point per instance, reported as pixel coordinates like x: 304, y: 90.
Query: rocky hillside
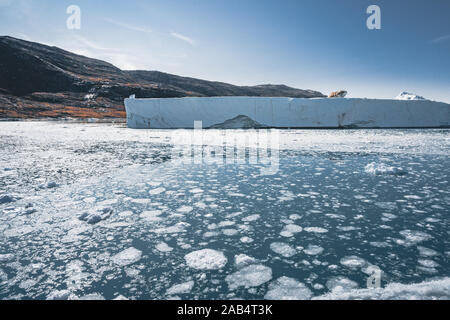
x: 39, y: 81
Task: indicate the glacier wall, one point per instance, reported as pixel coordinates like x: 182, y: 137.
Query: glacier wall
x: 164, y: 113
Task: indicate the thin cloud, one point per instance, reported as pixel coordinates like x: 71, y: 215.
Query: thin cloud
x: 182, y: 37
x: 128, y: 26
x: 441, y: 39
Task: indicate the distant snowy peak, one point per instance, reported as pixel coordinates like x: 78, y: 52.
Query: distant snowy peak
x: 409, y: 96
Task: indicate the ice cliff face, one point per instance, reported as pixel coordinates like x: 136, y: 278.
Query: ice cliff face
x: 408, y: 96
x: 254, y: 112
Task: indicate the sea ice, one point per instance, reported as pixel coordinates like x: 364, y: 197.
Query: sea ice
x: 381, y: 168
x: 427, y: 290
x: 127, y: 256
x: 283, y: 249
x: 313, y: 250
x: 250, y: 276
x: 157, y: 191
x: 163, y: 247
x: 185, y: 287
x: 340, y: 284
x: 206, y: 259
x: 353, y: 262
x: 242, y: 260
x: 316, y: 230
x: 286, y: 288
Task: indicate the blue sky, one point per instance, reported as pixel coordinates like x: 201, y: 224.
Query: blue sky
x: 309, y: 44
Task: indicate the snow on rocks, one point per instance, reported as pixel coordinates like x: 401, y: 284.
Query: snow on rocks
x: 286, y: 288
x: 96, y: 216
x: 206, y: 259
x: 127, y: 256
x: 185, y: 287
x: 408, y: 96
x: 250, y: 276
x: 283, y: 249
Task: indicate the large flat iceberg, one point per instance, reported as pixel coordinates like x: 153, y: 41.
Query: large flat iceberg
x: 214, y: 112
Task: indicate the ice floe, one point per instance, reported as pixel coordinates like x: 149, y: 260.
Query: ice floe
x: 250, y: 276
x: 181, y: 288
x: 381, y: 168
x: 283, y: 249
x: 96, y: 216
x: 285, y: 288
x: 206, y: 259
x: 127, y: 257
x: 427, y: 290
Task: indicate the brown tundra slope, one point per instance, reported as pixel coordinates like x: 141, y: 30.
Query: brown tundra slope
x: 39, y: 81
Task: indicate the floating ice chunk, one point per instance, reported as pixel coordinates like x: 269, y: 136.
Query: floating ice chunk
x: 185, y: 287
x: 120, y: 297
x: 196, y: 190
x: 313, y: 250
x: 96, y: 216
x: 290, y: 229
x: 140, y: 201
x: 92, y: 297
x: 206, y: 259
x: 251, y: 218
x: 426, y: 252
x: 427, y: 263
x: 353, y: 262
x: 163, y: 247
x: 316, y: 230
x: 340, y: 284
x: 127, y: 256
x: 151, y: 215
x: 428, y: 290
x: 246, y: 240
x: 178, y: 228
x: 381, y: 168
x: 242, y: 260
x: 230, y: 232
x: 413, y: 237
x: 226, y: 223
x: 250, y: 276
x: 283, y: 249
x: 59, y: 295
x: 285, y: 288
x: 185, y: 209
x: 295, y: 216
x: 157, y: 191
x: 5, y: 257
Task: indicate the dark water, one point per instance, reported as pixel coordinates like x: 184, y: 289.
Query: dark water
x: 336, y: 205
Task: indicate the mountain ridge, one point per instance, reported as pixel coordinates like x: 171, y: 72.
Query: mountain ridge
x: 41, y: 81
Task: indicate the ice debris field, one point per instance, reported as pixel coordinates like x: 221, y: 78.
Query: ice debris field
x: 100, y: 211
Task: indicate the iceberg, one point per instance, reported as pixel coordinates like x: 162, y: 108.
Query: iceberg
x: 279, y: 112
